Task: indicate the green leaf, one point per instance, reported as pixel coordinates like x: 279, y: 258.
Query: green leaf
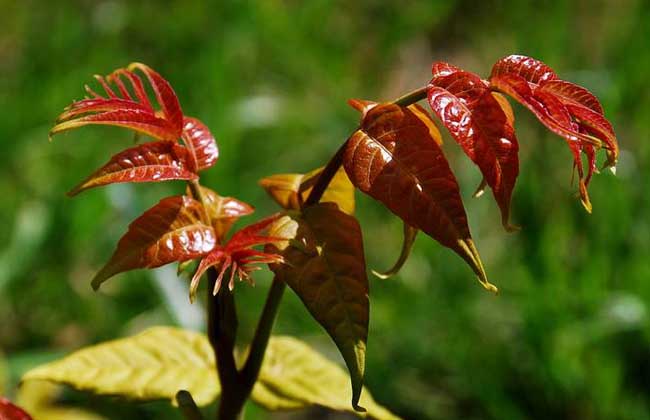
x: 293, y: 371
x: 326, y: 268
x: 149, y: 366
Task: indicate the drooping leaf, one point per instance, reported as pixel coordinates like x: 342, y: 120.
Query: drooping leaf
x: 223, y: 211
x: 410, y: 233
x: 238, y: 256
x: 172, y: 230
x: 129, y: 108
x: 148, y: 162
x: 293, y: 371
x: 152, y: 365
x: 393, y: 158
x: 325, y: 266
x: 291, y: 190
x: 201, y: 142
x: 568, y: 110
x: 9, y: 411
x: 476, y: 120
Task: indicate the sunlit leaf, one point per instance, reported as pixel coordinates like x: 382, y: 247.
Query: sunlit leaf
x: 393, y: 158
x: 238, y: 255
x: 148, y: 162
x: 170, y: 231
x: 127, y: 105
x: 568, y: 110
x: 410, y: 233
x: 325, y: 266
x: 9, y: 411
x: 201, y: 142
x: 476, y: 120
x: 291, y: 190
x: 223, y: 211
x: 152, y: 365
x: 293, y: 371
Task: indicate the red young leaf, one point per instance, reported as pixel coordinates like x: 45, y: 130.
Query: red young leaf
x: 476, y: 120
x: 148, y: 162
x: 9, y: 411
x: 172, y: 230
x: 238, y: 255
x: 223, y: 211
x: 531, y: 70
x: 393, y: 158
x: 129, y: 107
x: 201, y: 142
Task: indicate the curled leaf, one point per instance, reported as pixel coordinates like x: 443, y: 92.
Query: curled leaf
x: 200, y: 142
x: 478, y: 123
x: 222, y: 211
x: 408, y: 240
x: 148, y: 162
x: 172, y: 230
x: 238, y: 256
x: 325, y: 266
x: 393, y: 158
x: 291, y: 190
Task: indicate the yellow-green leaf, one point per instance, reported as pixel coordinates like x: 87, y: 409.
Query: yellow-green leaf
x: 293, y: 371
x: 325, y: 266
x: 38, y: 398
x: 152, y: 365
x: 290, y: 190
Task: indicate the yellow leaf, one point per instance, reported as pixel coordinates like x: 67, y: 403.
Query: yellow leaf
x: 38, y: 399
x: 152, y: 365
x: 326, y: 268
x: 290, y: 190
x: 293, y: 371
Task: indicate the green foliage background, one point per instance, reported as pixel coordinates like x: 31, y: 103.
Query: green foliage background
x: 567, y: 338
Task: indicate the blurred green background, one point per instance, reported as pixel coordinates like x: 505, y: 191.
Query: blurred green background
x: 567, y: 338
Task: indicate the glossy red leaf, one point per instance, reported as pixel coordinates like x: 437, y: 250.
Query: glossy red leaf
x: 148, y: 162
x: 125, y: 104
x: 442, y: 69
x: 478, y: 123
x: 238, y: 256
x: 201, y: 142
x: 9, y: 411
x: 223, y: 211
x: 393, y: 158
x: 530, y: 69
x: 172, y: 230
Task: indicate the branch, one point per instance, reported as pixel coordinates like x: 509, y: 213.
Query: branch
x: 251, y: 369
x: 188, y: 406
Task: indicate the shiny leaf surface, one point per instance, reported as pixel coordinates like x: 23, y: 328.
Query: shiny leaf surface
x: 325, y: 266
x: 476, y: 120
x: 170, y: 231
x: 223, y: 211
x: 148, y: 162
x: 201, y: 142
x: 393, y: 158
x: 152, y: 365
x: 126, y: 104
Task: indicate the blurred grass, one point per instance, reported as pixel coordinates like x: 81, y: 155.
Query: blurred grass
x: 568, y: 337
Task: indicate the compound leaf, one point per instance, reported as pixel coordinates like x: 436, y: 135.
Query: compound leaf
x: 393, y: 158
